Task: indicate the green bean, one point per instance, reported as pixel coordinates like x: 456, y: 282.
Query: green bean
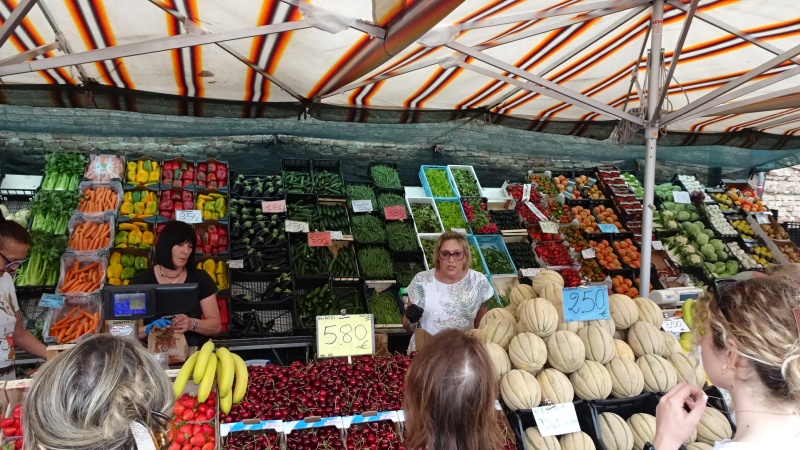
x: 428, y: 246
x: 384, y: 307
x: 368, y: 229
x: 405, y: 276
x: 385, y: 177
x: 375, y: 263
x: 360, y: 192
x: 389, y: 199
x: 401, y: 236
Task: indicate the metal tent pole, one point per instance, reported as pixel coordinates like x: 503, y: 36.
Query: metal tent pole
x: 651, y: 136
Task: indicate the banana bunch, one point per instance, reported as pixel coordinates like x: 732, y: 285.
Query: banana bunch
x: 687, y: 311
x: 205, y: 366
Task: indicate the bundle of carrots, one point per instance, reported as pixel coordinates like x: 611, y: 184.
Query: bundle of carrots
x: 98, y: 200
x: 82, y: 280
x: 90, y: 236
x: 74, y: 325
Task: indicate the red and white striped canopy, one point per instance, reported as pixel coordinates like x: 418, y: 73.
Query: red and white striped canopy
x: 534, y: 63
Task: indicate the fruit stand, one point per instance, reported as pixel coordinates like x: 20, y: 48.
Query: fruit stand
x: 284, y: 248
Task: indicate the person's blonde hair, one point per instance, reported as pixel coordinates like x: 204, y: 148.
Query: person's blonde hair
x: 757, y: 314
x: 452, y: 236
x: 790, y: 272
x: 450, y: 390
x: 87, y: 397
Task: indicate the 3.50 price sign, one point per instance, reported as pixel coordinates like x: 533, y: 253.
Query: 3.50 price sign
x: 348, y: 335
x: 585, y: 303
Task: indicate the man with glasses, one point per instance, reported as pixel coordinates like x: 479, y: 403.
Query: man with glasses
x: 14, y: 244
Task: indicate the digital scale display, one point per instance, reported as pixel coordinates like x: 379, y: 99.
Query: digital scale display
x: 130, y: 304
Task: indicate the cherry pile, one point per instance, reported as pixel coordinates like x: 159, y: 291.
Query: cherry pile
x: 516, y: 190
x: 572, y: 277
x: 324, y: 388
x: 250, y: 441
x: 479, y: 220
x: 373, y: 435
x: 328, y: 438
x: 554, y: 253
x: 526, y: 213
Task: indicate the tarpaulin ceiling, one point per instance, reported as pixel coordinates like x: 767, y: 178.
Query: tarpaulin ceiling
x: 573, y: 67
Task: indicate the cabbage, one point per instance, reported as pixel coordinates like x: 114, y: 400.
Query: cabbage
x: 702, y: 240
x: 709, y: 232
x: 717, y: 244
x: 699, y: 225
x: 721, y: 255
x: 731, y: 267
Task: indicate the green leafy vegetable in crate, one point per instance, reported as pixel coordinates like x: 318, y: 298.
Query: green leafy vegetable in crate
x: 44, y: 265
x: 428, y: 245
x: 466, y: 182
x: 342, y: 263
x: 475, y: 264
x: 63, y: 171
x: 333, y: 217
x: 389, y: 199
x: 350, y: 301
x: 385, y: 177
x: 401, y: 236
x: 360, y: 192
x: 369, y: 229
x: 496, y: 260
x: 425, y: 218
x: 384, y: 307
x: 297, y: 182
x: 375, y: 263
x: 327, y: 182
x: 437, y: 181
x: 52, y: 210
x: 451, y: 215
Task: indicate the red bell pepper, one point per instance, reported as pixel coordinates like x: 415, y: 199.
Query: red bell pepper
x: 222, y: 173
x: 186, y: 196
x: 201, y: 176
x: 177, y: 183
x: 212, y: 184
x: 188, y: 205
x: 202, y: 167
x: 211, y: 176
x: 212, y: 166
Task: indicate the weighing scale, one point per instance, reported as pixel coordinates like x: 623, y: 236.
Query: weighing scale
x: 675, y: 296
x: 124, y: 306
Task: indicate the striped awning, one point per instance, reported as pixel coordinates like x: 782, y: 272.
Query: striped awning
x: 729, y: 67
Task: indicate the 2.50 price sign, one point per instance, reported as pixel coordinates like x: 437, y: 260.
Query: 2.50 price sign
x: 585, y: 303
x: 348, y: 335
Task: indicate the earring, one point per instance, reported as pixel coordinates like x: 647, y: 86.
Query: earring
x: 722, y: 371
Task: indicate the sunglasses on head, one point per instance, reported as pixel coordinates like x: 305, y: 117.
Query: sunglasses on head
x: 719, y: 288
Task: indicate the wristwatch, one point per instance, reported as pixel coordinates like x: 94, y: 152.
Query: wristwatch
x: 195, y: 324
x: 648, y: 446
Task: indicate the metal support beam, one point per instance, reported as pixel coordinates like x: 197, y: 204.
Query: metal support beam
x: 370, y: 29
x: 586, y: 44
x: 781, y: 121
x: 651, y: 137
x: 65, y: 47
x: 741, y: 107
x: 572, y: 97
x: 676, y: 55
x: 30, y: 54
x: 713, y: 97
x: 567, y: 10
x: 381, y: 77
x: 14, y: 19
x: 151, y: 46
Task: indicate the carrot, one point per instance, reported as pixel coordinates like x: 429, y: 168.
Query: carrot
x: 64, y: 319
x: 88, y: 268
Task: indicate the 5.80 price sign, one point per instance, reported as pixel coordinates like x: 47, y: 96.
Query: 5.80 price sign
x: 349, y: 335
x: 585, y: 303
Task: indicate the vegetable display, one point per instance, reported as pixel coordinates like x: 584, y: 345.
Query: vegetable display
x: 425, y: 218
x: 142, y: 204
x: 401, y: 236
x: 375, y: 263
x: 391, y: 199
x: 438, y: 182
x: 213, y: 205
x: 212, y: 175
x: 297, y: 182
x: 134, y: 234
x: 98, y: 200
x: 505, y: 219
x: 211, y: 239
x: 258, y: 239
x: 475, y: 262
x: 327, y: 182
x: 317, y: 302
x: 142, y: 172
x: 217, y: 270
x: 405, y: 275
x: 496, y: 260
x: 342, y: 263
x: 451, y: 215
x: 368, y: 229
x: 385, y: 177
x: 333, y: 217
x: 308, y: 261
x: 360, y: 192
x: 544, y: 185
x: 43, y: 267
x: 304, y: 211
x: 522, y: 255
x: 123, y: 267
x: 63, y: 171
x: 477, y: 217
x: 177, y: 174
x: 466, y: 182
x: 266, y: 187
x: 52, y: 210
x: 90, y: 235
x: 172, y: 201
x: 74, y: 324
x: 428, y: 245
x: 104, y: 168
x: 82, y: 280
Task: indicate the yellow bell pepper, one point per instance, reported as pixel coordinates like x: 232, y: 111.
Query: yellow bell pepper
x: 151, y: 208
x: 141, y: 177
x: 154, y: 177
x: 126, y: 282
x: 116, y: 258
x: 131, y: 166
x: 222, y: 281
x: 148, y: 237
x: 140, y: 166
x: 128, y: 227
x: 220, y: 267
x: 138, y: 209
x: 209, y: 266
x: 130, y: 176
x: 135, y: 237
x: 126, y: 209
x: 127, y: 197
x: 115, y: 281
x: 114, y: 270
x: 207, y: 215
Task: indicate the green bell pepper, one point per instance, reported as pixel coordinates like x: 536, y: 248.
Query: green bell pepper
x: 121, y: 238
x: 128, y: 261
x: 128, y: 273
x: 141, y: 263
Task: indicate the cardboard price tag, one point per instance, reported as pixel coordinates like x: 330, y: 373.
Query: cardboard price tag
x: 536, y: 212
x: 319, y: 239
x: 336, y: 235
x: 585, y: 303
x: 675, y: 325
x: 658, y: 245
x: 236, y: 264
x: 395, y: 212
x: 189, y: 215
x: 347, y: 335
x: 293, y: 226
x: 548, y: 227
x: 362, y: 205
x: 588, y: 253
x: 681, y: 197
x: 526, y: 192
x: 763, y: 219
x: 51, y: 301
x: 608, y: 228
x: 556, y: 419
x: 529, y: 272
x: 277, y: 206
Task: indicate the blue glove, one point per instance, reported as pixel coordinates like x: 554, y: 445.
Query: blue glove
x: 160, y: 323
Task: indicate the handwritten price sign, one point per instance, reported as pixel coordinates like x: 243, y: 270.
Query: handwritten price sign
x: 189, y: 215
x: 319, y: 239
x: 277, y: 206
x: 395, y: 212
x: 548, y: 227
x: 608, y: 228
x: 349, y: 335
x: 293, y: 226
x: 556, y: 419
x: 585, y: 303
x: 362, y: 205
x: 681, y: 197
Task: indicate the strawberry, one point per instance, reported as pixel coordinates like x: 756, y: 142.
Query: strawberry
x: 198, y: 440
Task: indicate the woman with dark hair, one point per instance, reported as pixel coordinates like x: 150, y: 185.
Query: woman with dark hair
x: 14, y: 243
x: 450, y: 390
x: 174, y: 264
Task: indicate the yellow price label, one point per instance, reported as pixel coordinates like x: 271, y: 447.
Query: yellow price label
x: 345, y: 335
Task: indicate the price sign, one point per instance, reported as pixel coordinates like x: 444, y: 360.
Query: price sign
x: 293, y: 226
x: 763, y: 219
x: 536, y: 212
x: 590, y: 182
x: 319, y: 239
x: 549, y: 227
x: 362, y: 205
x: 556, y: 419
x: 459, y: 230
x: 585, y: 303
x: 682, y: 279
x: 236, y: 264
x: 277, y: 206
x: 189, y: 215
x: 395, y: 212
x: 529, y: 272
x: 675, y: 325
x: 681, y: 197
x: 336, y: 235
x: 588, y: 253
x: 526, y: 192
x: 608, y: 228
x: 51, y: 301
x: 657, y: 245
x: 347, y: 335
